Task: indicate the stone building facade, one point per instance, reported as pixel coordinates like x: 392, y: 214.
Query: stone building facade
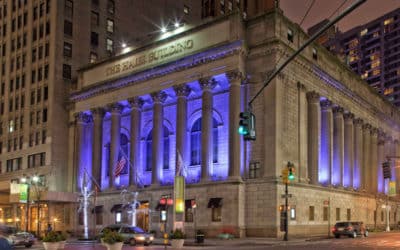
x: 184, y: 94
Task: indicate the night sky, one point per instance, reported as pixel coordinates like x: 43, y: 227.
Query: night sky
x: 295, y: 10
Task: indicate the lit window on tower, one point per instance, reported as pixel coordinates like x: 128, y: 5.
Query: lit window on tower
x: 376, y: 72
x: 363, y: 32
x: 375, y: 64
x: 388, y: 21
x: 388, y: 91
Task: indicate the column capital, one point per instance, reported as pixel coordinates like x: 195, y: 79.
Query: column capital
x: 374, y: 131
x: 326, y: 104
x: 98, y: 112
x: 234, y: 75
x: 381, y: 137
x: 366, y: 126
x: 182, y: 90
x: 207, y: 83
x: 159, y: 97
x: 82, y: 117
x: 136, y: 102
x: 358, y: 122
x: 301, y: 86
x: 348, y: 116
x: 313, y: 97
x: 115, y: 107
x: 338, y: 110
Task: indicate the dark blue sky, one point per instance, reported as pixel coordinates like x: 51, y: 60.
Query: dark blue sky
x: 295, y: 10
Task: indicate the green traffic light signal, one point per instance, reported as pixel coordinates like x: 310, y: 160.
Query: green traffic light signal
x: 243, y: 130
x: 291, y: 175
x: 247, y: 126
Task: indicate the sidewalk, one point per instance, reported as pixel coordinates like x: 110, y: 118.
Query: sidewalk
x: 243, y: 241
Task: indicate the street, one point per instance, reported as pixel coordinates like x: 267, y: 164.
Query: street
x: 375, y: 241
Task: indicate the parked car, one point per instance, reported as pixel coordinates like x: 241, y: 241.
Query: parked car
x: 132, y: 235
x: 350, y: 229
x: 22, y: 239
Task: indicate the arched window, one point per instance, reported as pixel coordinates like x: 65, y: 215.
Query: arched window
x: 149, y: 153
x: 195, y: 142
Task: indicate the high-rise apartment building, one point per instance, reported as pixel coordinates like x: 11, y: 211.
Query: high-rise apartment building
x: 42, y: 44
x: 214, y: 8
x: 372, y: 51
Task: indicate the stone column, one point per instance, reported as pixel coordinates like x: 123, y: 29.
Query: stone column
x: 182, y: 92
x: 348, y: 150
x: 235, y: 78
x: 136, y: 104
x: 397, y: 170
x: 374, y: 160
x: 314, y: 135
x: 381, y: 158
x: 97, y: 140
x: 358, y: 153
x: 390, y: 151
x: 115, y: 110
x: 158, y: 137
x: 207, y: 85
x: 326, y: 142
x: 81, y: 119
x: 302, y: 133
x: 366, y: 164
x: 338, y: 146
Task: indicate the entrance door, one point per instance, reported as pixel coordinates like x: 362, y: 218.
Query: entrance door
x: 142, y: 216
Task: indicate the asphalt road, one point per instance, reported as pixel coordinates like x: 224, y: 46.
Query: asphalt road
x: 375, y: 241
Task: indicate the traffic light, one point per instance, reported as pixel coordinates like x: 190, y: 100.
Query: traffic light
x: 291, y: 171
x: 247, y: 125
x: 387, y: 173
x: 285, y: 175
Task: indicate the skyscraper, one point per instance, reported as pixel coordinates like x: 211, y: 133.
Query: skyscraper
x: 42, y: 44
x: 372, y: 51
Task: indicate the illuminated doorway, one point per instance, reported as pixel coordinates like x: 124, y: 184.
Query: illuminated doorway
x: 142, y: 216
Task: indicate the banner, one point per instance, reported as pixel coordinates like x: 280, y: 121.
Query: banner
x: 179, y: 194
x: 392, y: 188
x: 23, y: 193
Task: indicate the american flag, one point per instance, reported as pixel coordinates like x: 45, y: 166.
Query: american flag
x: 119, y: 166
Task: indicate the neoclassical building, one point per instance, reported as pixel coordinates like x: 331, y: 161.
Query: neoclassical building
x: 133, y: 114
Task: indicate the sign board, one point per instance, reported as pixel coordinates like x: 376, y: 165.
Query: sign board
x: 179, y: 194
x: 163, y: 53
x: 23, y: 193
x: 392, y: 188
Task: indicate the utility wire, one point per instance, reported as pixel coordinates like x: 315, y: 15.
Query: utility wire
x: 340, y: 6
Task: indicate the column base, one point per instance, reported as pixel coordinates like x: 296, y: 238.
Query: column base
x: 235, y: 178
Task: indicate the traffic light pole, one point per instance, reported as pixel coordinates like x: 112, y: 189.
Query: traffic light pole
x: 285, y: 237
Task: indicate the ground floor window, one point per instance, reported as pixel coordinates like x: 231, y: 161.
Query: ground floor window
x: 349, y: 214
x: 216, y: 214
x: 338, y: 213
x: 311, y: 213
x: 325, y: 214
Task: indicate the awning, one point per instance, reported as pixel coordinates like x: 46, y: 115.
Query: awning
x: 116, y: 208
x: 97, y: 210
x: 215, y: 203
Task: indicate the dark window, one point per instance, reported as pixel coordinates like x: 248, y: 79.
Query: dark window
x: 34, y: 34
x: 195, y: 142
x: 46, y: 50
x: 110, y: 6
x: 43, y: 136
x: 311, y: 214
x: 35, y: 12
x: 33, y: 76
x: 94, y: 39
x: 45, y: 92
x: 67, y: 28
x: 94, y: 19
x: 44, y: 118
x: 47, y: 28
x: 66, y: 71
x: 69, y: 7
x: 46, y: 71
x: 338, y: 213
x: 216, y: 214
x: 314, y: 54
x: 290, y: 35
x: 33, y: 54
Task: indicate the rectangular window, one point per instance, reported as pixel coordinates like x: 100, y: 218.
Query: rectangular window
x: 110, y: 47
x: 39, y: 95
x: 314, y: 54
x: 110, y: 6
x: 30, y: 144
x: 67, y: 71
x: 32, y: 97
x: 94, y: 19
x: 94, y: 39
x: 44, y: 118
x: 348, y: 214
x: 33, y: 76
x: 69, y: 8
x: 34, y: 34
x: 67, y: 49
x: 46, y: 71
x: 93, y: 57
x: 38, y: 116
x: 67, y: 28
x: 21, y: 142
x: 45, y: 92
x: 43, y: 136
x: 216, y: 214
x: 325, y: 214
x: 290, y: 35
x: 311, y: 214
x: 33, y: 54
x: 110, y: 26
x: 47, y: 28
x: 338, y: 213
x: 37, y: 134
x: 189, y: 207
x: 382, y: 215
